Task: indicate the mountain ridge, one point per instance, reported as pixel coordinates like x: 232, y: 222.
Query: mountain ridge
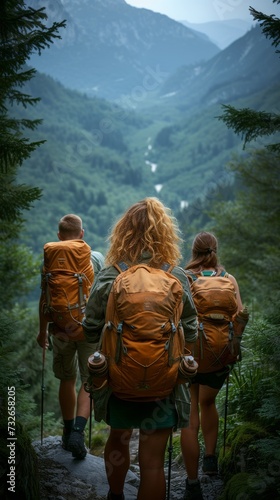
x: 223, y: 32
x: 246, y: 66
x: 108, y: 47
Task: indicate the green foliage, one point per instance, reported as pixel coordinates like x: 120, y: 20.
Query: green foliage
x: 14, y: 199
x: 254, y: 383
x: 15, y: 398
x: 240, y: 454
x: 270, y: 24
x: 248, y: 388
x: 251, y: 463
x: 250, y: 226
x: 18, y: 271
x: 22, y: 32
x: 98, y: 440
x: 251, y: 124
x: 269, y: 448
x: 248, y: 122
x: 259, y: 486
x: 253, y: 410
x: 17, y: 24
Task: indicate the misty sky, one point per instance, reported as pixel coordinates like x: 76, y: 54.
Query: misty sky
x: 200, y: 11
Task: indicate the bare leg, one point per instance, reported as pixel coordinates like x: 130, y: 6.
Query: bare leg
x: 117, y: 458
x: 67, y: 398
x: 209, y: 418
x: 189, y: 436
x: 83, y: 403
x: 152, y: 447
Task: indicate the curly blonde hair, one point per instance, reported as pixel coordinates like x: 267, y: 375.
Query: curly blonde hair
x: 147, y: 226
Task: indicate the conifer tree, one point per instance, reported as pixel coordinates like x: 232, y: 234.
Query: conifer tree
x: 246, y: 122
x: 22, y: 31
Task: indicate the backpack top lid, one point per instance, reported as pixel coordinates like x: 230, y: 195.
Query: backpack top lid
x: 213, y: 294
x: 67, y: 255
x: 142, y: 289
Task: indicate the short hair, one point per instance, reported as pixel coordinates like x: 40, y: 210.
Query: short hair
x: 70, y: 226
x: 147, y: 226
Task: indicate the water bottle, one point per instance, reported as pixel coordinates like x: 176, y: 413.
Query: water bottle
x: 187, y: 368
x: 98, y: 369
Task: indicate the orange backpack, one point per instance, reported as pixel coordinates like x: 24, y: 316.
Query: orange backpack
x: 143, y: 338
x: 216, y: 304
x: 67, y: 278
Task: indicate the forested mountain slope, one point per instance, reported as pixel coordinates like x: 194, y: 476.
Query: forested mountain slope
x: 100, y: 157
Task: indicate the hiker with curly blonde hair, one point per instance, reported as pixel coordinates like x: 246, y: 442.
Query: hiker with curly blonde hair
x: 147, y: 233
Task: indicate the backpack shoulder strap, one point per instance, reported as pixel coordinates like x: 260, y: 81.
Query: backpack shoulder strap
x: 192, y: 276
x: 166, y: 267
x: 224, y: 273
x: 214, y: 274
x: 208, y: 274
x: 121, y: 266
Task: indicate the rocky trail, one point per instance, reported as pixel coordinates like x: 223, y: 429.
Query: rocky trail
x: 65, y: 478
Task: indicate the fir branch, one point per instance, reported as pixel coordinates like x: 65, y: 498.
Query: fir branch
x: 270, y: 25
x: 251, y: 124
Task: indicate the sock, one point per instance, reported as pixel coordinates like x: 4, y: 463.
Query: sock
x: 192, y: 481
x: 80, y: 422
x: 68, y: 425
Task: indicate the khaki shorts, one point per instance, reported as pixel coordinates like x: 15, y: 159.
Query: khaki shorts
x: 70, y: 356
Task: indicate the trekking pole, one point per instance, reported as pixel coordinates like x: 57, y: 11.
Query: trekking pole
x: 42, y: 393
x: 170, y: 449
x: 226, y: 410
x: 90, y: 421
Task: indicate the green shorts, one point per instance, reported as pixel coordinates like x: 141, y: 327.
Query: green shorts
x: 215, y: 380
x: 150, y: 415
x: 69, y: 356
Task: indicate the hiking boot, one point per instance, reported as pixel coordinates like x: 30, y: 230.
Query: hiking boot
x: 110, y: 496
x: 65, y: 441
x: 210, y: 465
x: 193, y: 491
x: 76, y: 443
